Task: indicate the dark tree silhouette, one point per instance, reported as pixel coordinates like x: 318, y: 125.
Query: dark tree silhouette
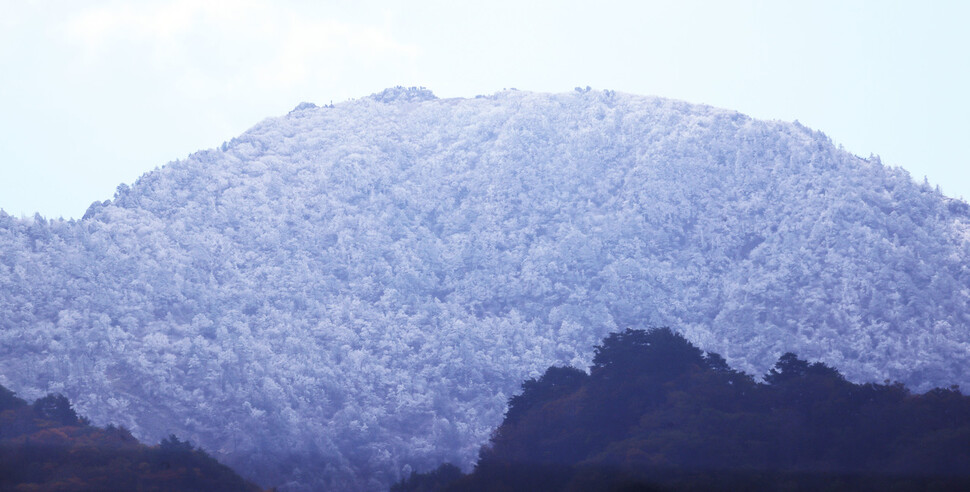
x: 56, y: 407
x: 659, y: 352
x: 657, y: 413
x: 556, y: 382
x: 46, y: 446
x: 9, y: 400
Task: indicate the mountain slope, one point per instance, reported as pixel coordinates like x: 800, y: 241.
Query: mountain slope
x: 346, y: 293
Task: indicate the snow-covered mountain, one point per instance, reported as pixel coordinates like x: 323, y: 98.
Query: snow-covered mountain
x: 345, y: 293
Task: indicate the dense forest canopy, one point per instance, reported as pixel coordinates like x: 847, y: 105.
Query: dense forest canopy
x: 46, y: 446
x: 657, y: 413
x: 343, y: 294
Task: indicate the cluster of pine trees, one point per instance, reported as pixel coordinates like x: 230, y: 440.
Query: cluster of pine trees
x: 47, y: 446
x: 655, y: 412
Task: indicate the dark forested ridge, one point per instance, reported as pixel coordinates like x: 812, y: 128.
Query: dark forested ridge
x: 657, y: 413
x: 45, y: 446
x: 345, y: 293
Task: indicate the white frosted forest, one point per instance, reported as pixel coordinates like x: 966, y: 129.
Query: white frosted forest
x: 346, y: 293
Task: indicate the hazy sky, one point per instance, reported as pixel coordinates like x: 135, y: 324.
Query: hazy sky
x: 96, y: 93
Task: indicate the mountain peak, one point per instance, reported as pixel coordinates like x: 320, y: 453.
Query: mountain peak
x: 302, y: 107
x: 404, y: 94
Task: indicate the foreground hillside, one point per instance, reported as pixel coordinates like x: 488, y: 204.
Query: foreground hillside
x: 45, y: 446
x: 343, y: 294
x: 657, y: 413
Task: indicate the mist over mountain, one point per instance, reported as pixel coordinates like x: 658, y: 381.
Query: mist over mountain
x: 346, y: 293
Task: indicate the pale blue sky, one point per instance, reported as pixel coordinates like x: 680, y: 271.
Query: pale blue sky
x: 95, y: 93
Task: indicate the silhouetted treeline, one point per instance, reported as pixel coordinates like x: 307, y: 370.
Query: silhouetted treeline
x: 657, y: 413
x: 45, y: 446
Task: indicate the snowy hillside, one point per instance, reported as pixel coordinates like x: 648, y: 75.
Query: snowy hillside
x: 345, y: 293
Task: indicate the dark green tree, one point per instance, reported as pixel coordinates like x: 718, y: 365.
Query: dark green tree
x: 554, y: 383
x: 659, y: 352
x: 56, y: 407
